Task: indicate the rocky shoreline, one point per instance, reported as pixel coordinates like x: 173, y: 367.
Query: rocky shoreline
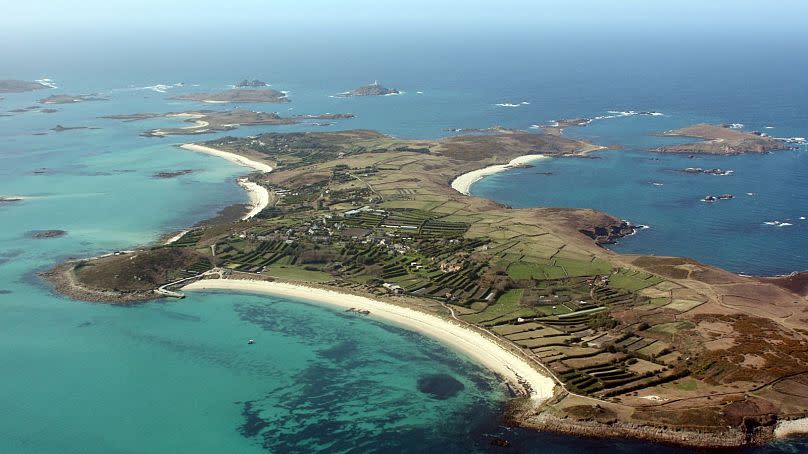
x: 63, y: 280
x: 732, y: 438
x: 611, y: 233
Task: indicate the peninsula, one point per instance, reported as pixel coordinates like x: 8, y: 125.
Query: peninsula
x: 236, y: 96
x: 20, y: 86
x: 208, y: 121
x: 657, y: 348
x: 373, y: 89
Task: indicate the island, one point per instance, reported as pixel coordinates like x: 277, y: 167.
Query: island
x: 373, y: 89
x: 40, y: 234
x: 172, y: 173
x: 25, y: 109
x: 715, y: 172
x: 70, y: 99
x: 255, y: 83
x: 20, y: 86
x: 209, y: 121
x: 722, y: 140
x: 236, y: 96
x: 595, y: 343
x: 60, y: 128
x: 557, y: 127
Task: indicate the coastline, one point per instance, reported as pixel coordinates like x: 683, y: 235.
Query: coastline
x: 232, y: 157
x: 791, y: 428
x: 463, y: 183
x: 545, y: 420
x: 519, y: 372
x: 259, y: 195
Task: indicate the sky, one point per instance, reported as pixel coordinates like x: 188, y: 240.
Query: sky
x: 32, y: 16
x: 39, y: 36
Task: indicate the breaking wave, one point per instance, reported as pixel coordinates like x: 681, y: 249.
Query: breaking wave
x: 47, y: 82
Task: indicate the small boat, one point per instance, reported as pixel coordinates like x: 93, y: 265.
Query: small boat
x: 250, y: 342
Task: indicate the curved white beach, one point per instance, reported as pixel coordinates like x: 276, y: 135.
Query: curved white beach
x: 463, y: 183
x: 259, y: 195
x: 477, y: 346
x: 232, y: 157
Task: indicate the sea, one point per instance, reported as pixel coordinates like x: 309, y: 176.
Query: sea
x: 179, y: 376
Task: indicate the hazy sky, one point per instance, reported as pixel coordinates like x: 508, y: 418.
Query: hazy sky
x: 35, y: 16
x: 47, y: 36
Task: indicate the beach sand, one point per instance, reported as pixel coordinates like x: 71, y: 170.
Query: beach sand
x: 232, y: 157
x: 463, y: 183
x: 259, y: 197
x: 791, y: 427
x: 482, y: 348
x: 176, y: 237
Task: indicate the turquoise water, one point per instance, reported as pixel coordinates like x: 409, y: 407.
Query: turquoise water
x: 179, y: 377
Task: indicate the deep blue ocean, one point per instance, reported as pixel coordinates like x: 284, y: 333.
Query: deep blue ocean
x: 178, y: 377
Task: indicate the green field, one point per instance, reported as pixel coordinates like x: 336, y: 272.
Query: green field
x: 633, y: 280
x: 671, y: 328
x: 506, y: 305
x: 296, y: 273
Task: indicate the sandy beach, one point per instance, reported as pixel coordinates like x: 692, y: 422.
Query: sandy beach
x: 232, y: 157
x: 176, y: 237
x: 259, y: 197
x: 481, y: 348
x: 462, y: 184
x: 792, y: 427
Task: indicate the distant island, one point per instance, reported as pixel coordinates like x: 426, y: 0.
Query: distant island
x: 557, y: 127
x: 40, y: 234
x: 236, y: 96
x: 723, y: 140
x: 373, y: 89
x: 60, y: 128
x: 19, y: 86
x: 255, y: 83
x: 208, y: 121
x: 172, y: 173
x: 70, y: 99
